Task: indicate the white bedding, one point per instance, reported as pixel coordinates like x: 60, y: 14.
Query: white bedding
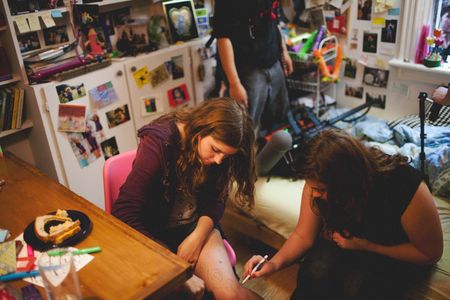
x: 277, y: 204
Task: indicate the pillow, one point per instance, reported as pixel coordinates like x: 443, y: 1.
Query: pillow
x: 414, y: 120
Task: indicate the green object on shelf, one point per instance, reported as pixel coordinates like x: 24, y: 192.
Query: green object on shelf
x: 307, y: 46
x: 431, y: 63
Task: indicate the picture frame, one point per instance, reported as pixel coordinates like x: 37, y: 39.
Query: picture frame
x: 180, y: 16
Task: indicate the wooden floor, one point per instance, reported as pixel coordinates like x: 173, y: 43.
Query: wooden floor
x: 278, y: 286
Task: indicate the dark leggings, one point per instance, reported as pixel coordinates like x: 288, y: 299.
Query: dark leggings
x: 329, y: 272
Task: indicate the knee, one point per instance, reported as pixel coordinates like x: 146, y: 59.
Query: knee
x: 234, y: 292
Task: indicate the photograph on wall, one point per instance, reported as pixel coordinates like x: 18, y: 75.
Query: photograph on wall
x: 317, y: 18
x: 178, y: 96
x: 350, y: 68
x: 177, y: 67
x: 181, y: 19
x: 389, y: 32
x: 71, y: 118
x: 55, y: 35
x: 28, y: 42
x: 109, y: 148
x: 103, y: 95
x: 375, y: 77
x: 67, y: 93
x: 379, y: 98
x: 364, y: 10
x: 141, y: 76
x: 82, y: 149
x: 159, y: 75
x: 96, y: 126
x: 118, y: 116
x: 151, y: 105
x: 370, y: 42
x: 354, y: 91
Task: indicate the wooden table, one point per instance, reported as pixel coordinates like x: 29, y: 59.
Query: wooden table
x: 130, y: 266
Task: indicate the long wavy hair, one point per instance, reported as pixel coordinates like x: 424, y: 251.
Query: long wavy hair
x: 226, y: 120
x: 347, y: 167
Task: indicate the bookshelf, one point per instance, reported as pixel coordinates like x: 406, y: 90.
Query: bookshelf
x: 27, y: 124
x: 16, y: 78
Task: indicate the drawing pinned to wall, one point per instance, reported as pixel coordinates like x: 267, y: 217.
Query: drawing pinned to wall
x: 178, y: 96
x: 141, y: 77
x: 110, y: 148
x: 177, y: 67
x: 350, y: 68
x: 181, y: 19
x: 28, y: 42
x: 158, y: 75
x: 67, y: 93
x: 370, y: 42
x: 71, y: 118
x: 375, y: 77
x: 81, y: 149
x: 364, y: 10
x: 103, y: 95
x: 152, y: 105
x: 118, y: 116
x: 354, y: 91
x: 389, y: 32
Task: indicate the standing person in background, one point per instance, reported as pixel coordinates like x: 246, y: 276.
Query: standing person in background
x: 368, y: 226
x: 254, y: 57
x: 186, y: 165
x: 445, y: 27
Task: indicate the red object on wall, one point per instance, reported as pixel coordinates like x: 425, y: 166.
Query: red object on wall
x: 337, y: 24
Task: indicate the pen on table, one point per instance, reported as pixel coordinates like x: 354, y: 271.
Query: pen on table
x: 263, y: 260
x: 60, y: 252
x: 18, y: 275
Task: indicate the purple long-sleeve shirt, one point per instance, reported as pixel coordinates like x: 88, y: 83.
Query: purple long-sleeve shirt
x: 147, y: 196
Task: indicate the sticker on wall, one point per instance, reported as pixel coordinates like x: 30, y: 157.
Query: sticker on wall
x: 118, y: 116
x: 110, y: 148
x: 178, y: 96
x: 364, y: 10
x: 141, y: 77
x: 354, y: 91
x: 82, y: 149
x: 71, y: 118
x: 151, y: 105
x: 370, y: 42
x: 375, y: 77
x: 67, y: 93
x: 103, y: 95
x: 177, y: 67
x: 159, y: 75
x: 350, y: 68
x: 389, y: 32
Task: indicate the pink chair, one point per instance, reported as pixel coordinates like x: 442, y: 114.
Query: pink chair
x: 115, y: 172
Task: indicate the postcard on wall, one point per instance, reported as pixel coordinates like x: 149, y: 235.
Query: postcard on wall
x: 71, y: 117
x: 370, y: 41
x: 95, y: 125
x: 67, y: 93
x: 350, y: 68
x: 354, y: 91
x: 375, y: 77
x: 152, y: 105
x: 84, y: 152
x: 118, y: 116
x: 141, y: 77
x: 389, y: 32
x: 103, y: 95
x: 177, y: 67
x: 109, y: 148
x: 364, y: 10
x: 379, y: 99
x: 178, y: 95
x: 159, y: 75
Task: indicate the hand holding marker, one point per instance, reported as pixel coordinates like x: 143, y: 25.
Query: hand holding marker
x: 259, y: 264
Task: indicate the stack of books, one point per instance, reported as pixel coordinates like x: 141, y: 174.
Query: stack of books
x: 11, y: 108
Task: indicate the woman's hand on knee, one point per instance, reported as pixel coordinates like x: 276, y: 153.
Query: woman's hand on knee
x: 190, y: 249
x: 266, y: 268
x: 195, y: 288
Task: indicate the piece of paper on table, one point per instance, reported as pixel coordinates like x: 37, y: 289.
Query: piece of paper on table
x: 34, y: 23
x: 79, y: 261
x: 48, y: 20
x: 7, y: 257
x: 22, y: 24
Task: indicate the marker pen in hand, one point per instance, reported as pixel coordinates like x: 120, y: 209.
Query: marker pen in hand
x: 259, y: 264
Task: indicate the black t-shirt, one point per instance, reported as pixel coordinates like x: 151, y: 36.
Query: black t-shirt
x: 251, y: 25
x: 389, y: 199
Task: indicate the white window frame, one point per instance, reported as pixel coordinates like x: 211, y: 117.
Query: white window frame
x: 414, y: 14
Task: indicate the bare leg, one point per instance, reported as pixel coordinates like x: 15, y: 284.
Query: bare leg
x: 214, y: 267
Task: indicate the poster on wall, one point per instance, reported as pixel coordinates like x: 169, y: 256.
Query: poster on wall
x: 350, y: 68
x: 389, y: 32
x: 364, y: 10
x: 375, y: 77
x: 178, y: 95
x: 370, y: 42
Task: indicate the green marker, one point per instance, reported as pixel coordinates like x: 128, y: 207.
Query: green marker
x: 59, y: 252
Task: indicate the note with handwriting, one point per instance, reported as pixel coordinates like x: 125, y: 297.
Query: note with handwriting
x: 22, y: 24
x: 48, y: 20
x: 35, y: 25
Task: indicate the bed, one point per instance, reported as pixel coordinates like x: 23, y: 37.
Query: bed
x: 278, y: 199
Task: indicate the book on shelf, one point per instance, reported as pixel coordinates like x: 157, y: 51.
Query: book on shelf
x: 5, y: 71
x: 11, y: 108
